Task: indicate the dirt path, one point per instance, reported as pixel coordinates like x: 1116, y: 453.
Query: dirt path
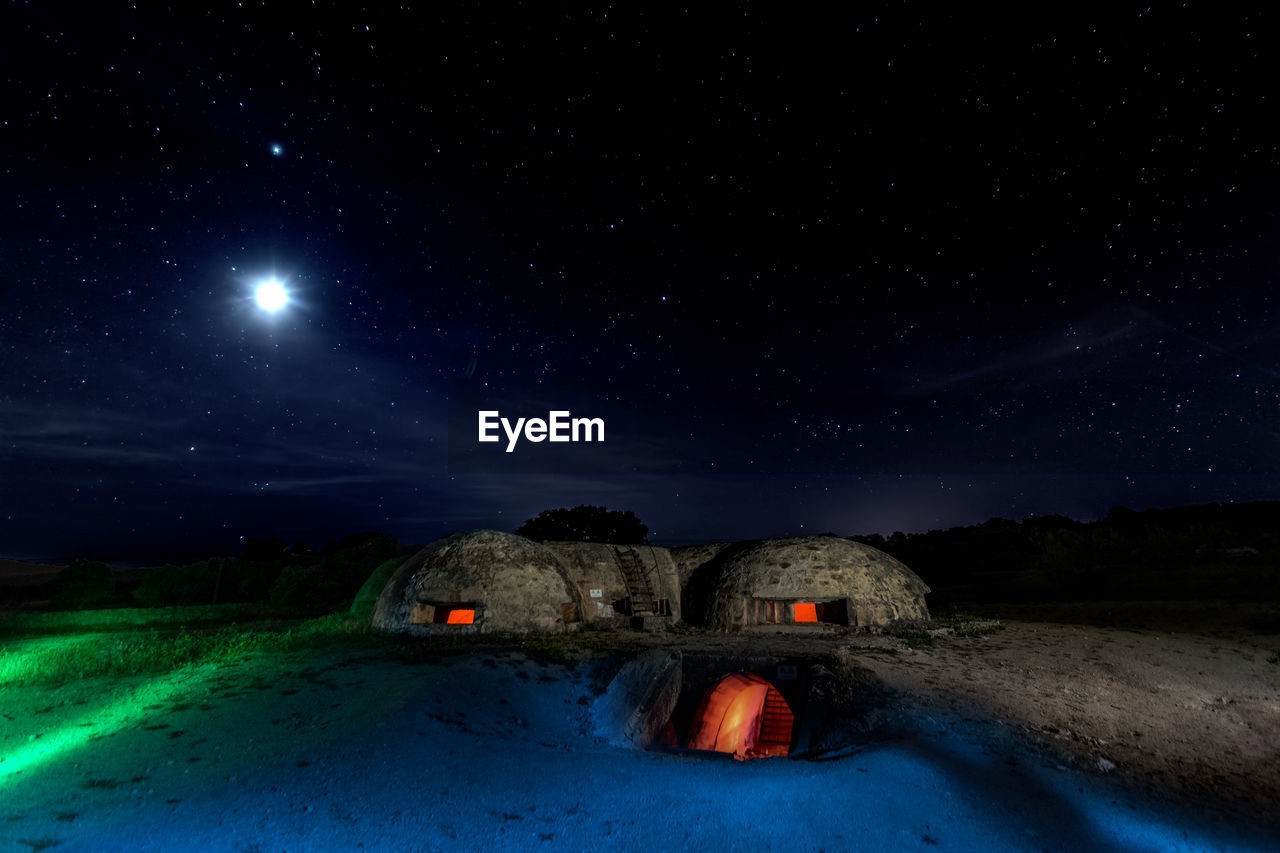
x: 1188, y: 715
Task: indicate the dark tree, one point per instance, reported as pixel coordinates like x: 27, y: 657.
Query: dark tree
x: 586, y: 524
x: 264, y: 548
x: 81, y: 584
x: 332, y: 576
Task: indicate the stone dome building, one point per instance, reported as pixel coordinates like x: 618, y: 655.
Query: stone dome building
x: 810, y: 581
x: 479, y: 581
x: 639, y: 581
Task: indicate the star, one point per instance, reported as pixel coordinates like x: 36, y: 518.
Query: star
x: 271, y: 296
x: 277, y: 150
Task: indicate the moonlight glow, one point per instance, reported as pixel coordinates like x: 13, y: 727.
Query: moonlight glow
x: 271, y: 296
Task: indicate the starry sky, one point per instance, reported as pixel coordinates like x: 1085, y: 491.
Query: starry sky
x: 895, y: 270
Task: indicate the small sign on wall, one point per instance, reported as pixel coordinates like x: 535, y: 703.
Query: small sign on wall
x: 597, y: 593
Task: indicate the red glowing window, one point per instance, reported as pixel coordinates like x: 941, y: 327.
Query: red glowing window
x: 461, y: 617
x: 806, y: 611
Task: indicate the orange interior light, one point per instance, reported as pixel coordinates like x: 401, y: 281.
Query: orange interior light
x: 743, y: 715
x: 461, y: 617
x: 806, y: 612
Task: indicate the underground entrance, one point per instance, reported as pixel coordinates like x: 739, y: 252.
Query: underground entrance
x: 743, y: 715
x: 739, y: 707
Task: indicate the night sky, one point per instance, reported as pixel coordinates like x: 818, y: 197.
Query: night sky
x: 899, y: 270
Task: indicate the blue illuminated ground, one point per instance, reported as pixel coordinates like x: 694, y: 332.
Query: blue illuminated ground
x: 488, y: 751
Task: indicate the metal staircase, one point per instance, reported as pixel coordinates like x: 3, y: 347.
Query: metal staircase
x: 776, y: 722
x: 642, y: 602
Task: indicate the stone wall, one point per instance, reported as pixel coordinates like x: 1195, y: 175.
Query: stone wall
x: 594, y: 566
x: 688, y: 558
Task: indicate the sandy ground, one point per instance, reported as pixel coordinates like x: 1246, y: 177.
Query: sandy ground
x: 1191, y: 716
x: 493, y: 749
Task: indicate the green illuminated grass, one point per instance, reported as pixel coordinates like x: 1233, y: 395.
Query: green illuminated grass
x: 61, y: 658
x: 125, y: 618
x: 95, y: 681
x: 120, y: 707
x: 140, y: 670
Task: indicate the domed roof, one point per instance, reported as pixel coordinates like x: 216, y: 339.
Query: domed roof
x: 511, y: 583
x: 818, y: 568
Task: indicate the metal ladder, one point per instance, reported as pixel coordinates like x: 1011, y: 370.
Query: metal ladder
x: 642, y: 603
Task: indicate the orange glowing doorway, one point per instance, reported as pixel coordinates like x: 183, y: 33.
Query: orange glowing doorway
x: 743, y: 715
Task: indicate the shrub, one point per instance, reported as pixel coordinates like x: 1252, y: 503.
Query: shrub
x: 169, y: 586
x: 336, y: 575
x: 301, y: 578
x: 81, y: 584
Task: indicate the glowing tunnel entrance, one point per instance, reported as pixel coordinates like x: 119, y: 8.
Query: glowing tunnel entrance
x: 743, y: 715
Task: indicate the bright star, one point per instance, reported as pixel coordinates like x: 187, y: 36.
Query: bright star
x: 277, y: 150
x: 271, y: 296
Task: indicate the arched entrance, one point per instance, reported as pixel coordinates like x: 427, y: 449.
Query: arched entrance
x: 745, y: 715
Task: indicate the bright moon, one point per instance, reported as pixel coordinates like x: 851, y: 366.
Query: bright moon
x: 271, y: 296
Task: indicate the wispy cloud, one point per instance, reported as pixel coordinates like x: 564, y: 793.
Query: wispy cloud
x: 1076, y: 344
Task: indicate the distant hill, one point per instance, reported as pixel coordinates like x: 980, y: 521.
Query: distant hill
x: 16, y: 573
